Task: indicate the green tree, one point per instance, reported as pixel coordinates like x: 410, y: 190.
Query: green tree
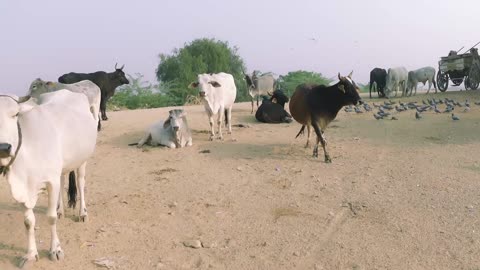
x: 181, y: 68
x: 139, y: 94
x: 289, y: 82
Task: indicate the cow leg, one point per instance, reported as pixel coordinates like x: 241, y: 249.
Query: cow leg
x: 32, y: 253
x: 60, y: 207
x: 56, y: 252
x: 83, y: 216
x: 103, y: 108
x: 320, y: 138
x: 229, y: 117
x: 219, y: 122
x: 252, y: 105
x: 147, y: 137
x: 212, y: 130
x: 308, y: 136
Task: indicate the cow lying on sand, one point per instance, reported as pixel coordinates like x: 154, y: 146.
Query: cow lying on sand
x: 272, y: 110
x: 173, y: 133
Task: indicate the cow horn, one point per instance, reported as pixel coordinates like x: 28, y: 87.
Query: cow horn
x: 122, y: 66
x: 116, y: 65
x: 339, y: 77
x: 23, y: 99
x: 350, y: 75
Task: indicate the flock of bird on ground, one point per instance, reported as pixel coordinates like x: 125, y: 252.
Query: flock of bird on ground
x: 389, y: 109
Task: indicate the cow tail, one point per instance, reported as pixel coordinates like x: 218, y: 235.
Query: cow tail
x: 434, y: 83
x: 72, y: 190
x: 301, y: 131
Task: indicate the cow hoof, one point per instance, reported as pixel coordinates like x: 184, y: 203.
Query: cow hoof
x: 84, y: 218
x: 27, y: 259
x: 56, y: 255
x: 104, y: 118
x: 328, y: 159
x: 59, y: 215
x: 220, y: 138
x: 211, y: 138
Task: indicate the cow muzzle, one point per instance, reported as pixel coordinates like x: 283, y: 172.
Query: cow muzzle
x: 5, y: 150
x: 202, y: 94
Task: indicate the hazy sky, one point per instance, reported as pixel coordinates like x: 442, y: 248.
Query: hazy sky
x: 49, y: 38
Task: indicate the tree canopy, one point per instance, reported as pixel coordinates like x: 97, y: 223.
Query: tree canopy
x: 289, y: 82
x: 180, y: 68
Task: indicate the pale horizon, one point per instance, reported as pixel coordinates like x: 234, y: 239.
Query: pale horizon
x: 49, y: 38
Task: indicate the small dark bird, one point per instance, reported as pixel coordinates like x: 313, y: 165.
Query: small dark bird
x: 449, y: 109
x: 467, y: 109
x: 454, y: 117
x: 399, y: 109
x: 394, y: 118
x: 388, y: 107
x: 375, y: 105
x: 378, y: 117
x: 367, y: 107
x: 476, y: 103
x: 424, y: 103
x: 348, y: 108
x: 437, y: 110
x: 357, y: 109
x: 418, y: 115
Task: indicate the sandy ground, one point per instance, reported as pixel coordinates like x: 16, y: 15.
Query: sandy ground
x: 399, y: 195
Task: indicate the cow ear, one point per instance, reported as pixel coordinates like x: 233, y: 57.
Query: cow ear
x: 193, y: 85
x: 166, y: 123
x: 50, y: 83
x: 215, y: 84
x: 23, y: 99
x: 339, y: 77
x: 342, y: 88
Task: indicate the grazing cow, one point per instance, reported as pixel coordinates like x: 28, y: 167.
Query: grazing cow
x: 396, y: 79
x: 218, y: 93
x: 378, y: 77
x: 91, y: 90
x: 107, y: 82
x: 38, y: 145
x: 260, y: 85
x: 272, y: 110
x: 421, y: 75
x: 319, y: 105
x: 173, y: 133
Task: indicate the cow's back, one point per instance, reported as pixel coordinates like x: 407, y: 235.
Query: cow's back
x: 298, y: 104
x: 228, y: 89
x: 99, y: 78
x: 76, y: 130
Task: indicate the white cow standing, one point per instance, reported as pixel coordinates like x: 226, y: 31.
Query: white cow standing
x: 218, y: 92
x: 421, y: 75
x: 86, y: 87
x: 396, y: 79
x: 39, y: 144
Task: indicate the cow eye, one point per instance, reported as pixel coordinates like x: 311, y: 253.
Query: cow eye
x: 16, y: 115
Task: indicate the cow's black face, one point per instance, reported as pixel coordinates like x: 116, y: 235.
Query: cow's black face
x: 119, y: 76
x: 350, y: 89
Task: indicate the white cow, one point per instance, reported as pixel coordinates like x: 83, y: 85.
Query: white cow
x: 39, y: 144
x: 218, y: 92
x: 260, y: 85
x: 173, y: 133
x: 91, y: 90
x: 421, y: 75
x: 396, y: 79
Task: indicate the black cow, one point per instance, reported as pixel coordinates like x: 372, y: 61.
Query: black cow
x: 107, y: 82
x: 379, y: 77
x: 319, y: 105
x: 272, y: 110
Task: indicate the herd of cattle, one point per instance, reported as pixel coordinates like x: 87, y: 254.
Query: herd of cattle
x: 399, y: 79
x: 40, y: 143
